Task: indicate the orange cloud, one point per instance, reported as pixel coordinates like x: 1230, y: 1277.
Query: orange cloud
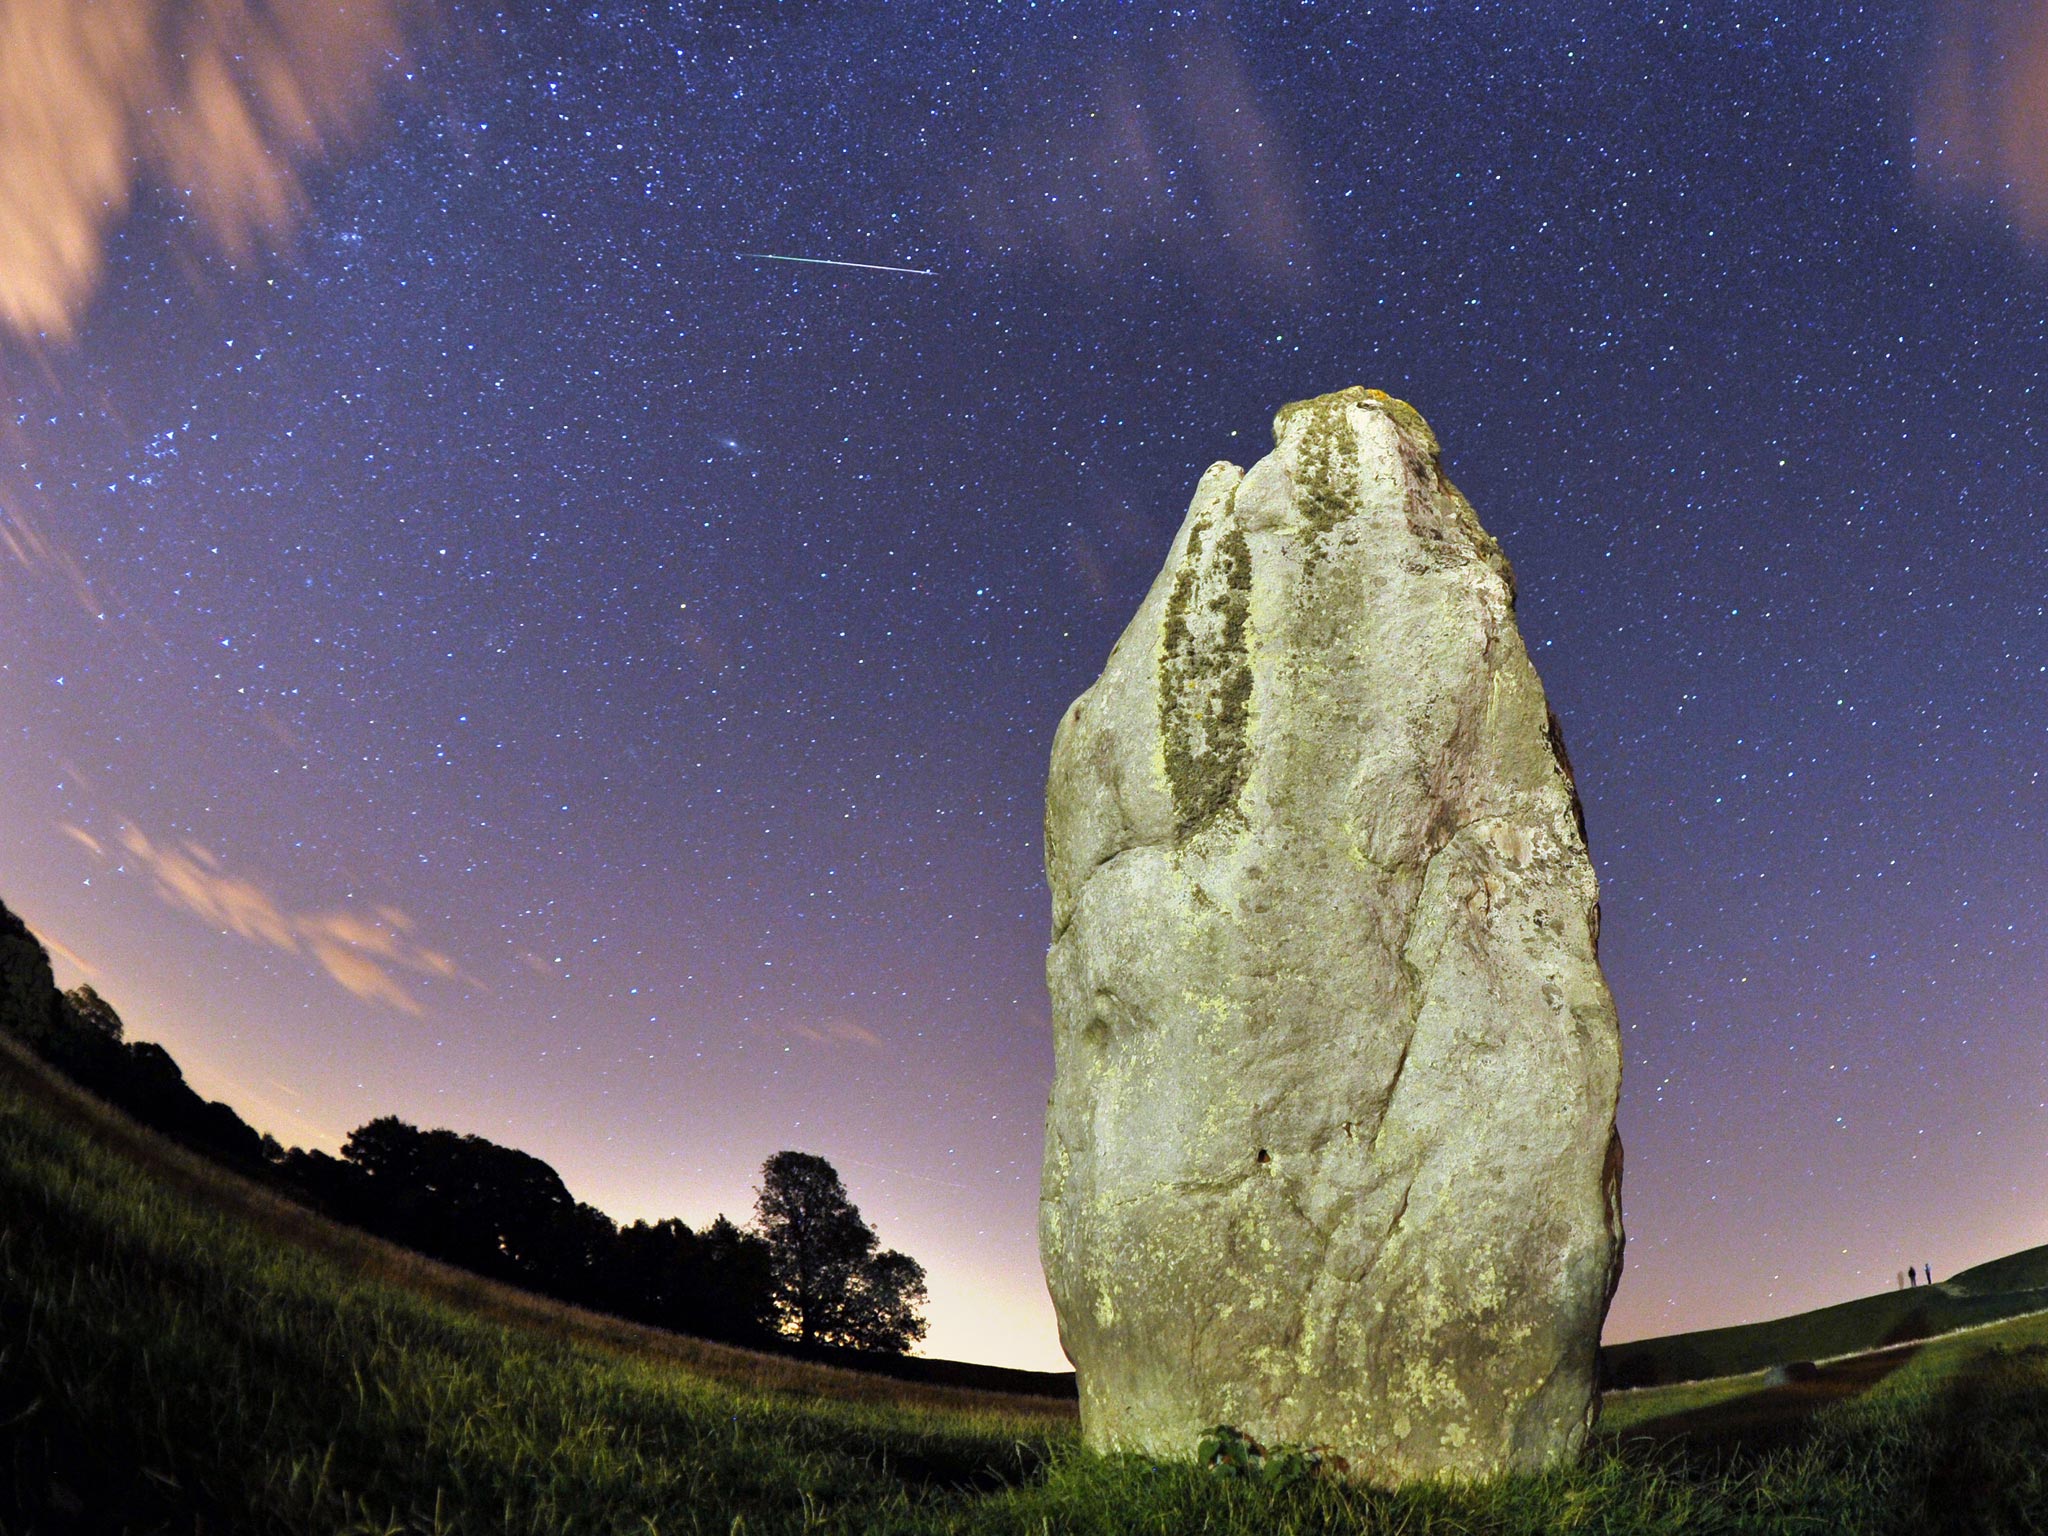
x: 1980, y: 117
x: 23, y: 542
x: 836, y: 1031
x: 239, y: 906
x: 67, y: 954
x: 83, y: 838
x: 368, y: 957
x: 362, y: 976
x: 221, y: 102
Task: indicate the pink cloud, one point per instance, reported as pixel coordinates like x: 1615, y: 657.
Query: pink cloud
x: 1980, y: 115
x: 838, y: 1031
x: 34, y: 551
x: 368, y: 957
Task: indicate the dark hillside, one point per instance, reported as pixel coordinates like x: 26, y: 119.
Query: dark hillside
x: 495, y: 1212
x: 371, y: 1260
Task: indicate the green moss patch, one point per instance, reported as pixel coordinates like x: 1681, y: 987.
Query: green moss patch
x: 1205, y: 674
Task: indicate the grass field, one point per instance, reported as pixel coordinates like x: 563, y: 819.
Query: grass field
x: 182, y: 1352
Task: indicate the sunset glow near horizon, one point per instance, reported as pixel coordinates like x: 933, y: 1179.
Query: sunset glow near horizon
x: 525, y: 661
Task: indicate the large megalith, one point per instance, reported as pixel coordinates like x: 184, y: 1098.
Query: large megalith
x: 1330, y: 1155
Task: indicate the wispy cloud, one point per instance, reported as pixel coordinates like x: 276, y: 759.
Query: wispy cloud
x: 222, y: 103
x: 25, y: 544
x: 1152, y: 153
x: 83, y: 838
x: 374, y: 957
x: 1980, y: 115
x: 837, y: 1031
x: 64, y: 952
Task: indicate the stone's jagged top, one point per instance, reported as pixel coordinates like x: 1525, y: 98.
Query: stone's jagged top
x: 1330, y: 1151
x: 1400, y: 412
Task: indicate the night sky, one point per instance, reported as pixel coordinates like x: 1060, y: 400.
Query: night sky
x: 517, y: 659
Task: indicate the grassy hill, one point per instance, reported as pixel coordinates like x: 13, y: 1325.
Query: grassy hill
x: 180, y: 1350
x: 2010, y: 1287
x: 2026, y: 1270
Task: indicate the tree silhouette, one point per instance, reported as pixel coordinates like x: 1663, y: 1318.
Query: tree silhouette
x: 886, y: 1310
x: 831, y: 1286
x: 713, y: 1283
x: 459, y: 1198
x: 736, y: 1277
x: 90, y: 1012
x: 490, y: 1208
x: 816, y: 1243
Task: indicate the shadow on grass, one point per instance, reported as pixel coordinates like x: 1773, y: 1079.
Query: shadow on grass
x: 1776, y: 1416
x: 1986, y: 1445
x: 931, y: 1464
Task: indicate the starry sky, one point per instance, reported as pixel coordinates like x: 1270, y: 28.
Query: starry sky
x: 514, y: 657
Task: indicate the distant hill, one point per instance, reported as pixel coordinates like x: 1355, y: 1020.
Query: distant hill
x: 2007, y: 1287
x: 2026, y: 1270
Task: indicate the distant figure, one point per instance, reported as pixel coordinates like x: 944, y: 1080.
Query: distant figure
x: 1912, y: 1275
x: 1927, y: 1273
x: 1902, y: 1279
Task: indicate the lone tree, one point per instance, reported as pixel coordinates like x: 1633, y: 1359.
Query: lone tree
x: 831, y: 1284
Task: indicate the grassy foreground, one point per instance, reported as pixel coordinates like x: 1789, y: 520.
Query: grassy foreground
x: 169, y: 1361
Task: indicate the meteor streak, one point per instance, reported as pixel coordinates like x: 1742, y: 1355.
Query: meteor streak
x: 820, y: 261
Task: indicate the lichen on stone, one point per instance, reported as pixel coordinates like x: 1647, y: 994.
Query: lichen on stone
x: 1205, y: 675
x: 1326, y: 461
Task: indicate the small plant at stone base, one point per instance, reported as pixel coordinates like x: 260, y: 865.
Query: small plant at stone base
x: 1228, y: 1451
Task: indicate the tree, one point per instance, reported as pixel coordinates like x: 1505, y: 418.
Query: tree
x: 887, y: 1307
x: 736, y: 1274
x: 830, y: 1285
x: 464, y: 1198
x: 714, y: 1284
x: 90, y: 1012
x: 816, y: 1242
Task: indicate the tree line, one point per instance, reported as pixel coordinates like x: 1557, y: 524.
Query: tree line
x: 808, y: 1270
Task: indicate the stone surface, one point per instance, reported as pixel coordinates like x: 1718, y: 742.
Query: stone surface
x: 1330, y: 1155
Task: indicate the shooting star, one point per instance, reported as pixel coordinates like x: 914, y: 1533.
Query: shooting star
x: 820, y: 261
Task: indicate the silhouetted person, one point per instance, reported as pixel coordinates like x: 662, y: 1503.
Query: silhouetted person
x: 1927, y: 1273
x: 1912, y: 1274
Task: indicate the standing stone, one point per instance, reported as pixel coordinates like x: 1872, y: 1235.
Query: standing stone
x: 1330, y: 1155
